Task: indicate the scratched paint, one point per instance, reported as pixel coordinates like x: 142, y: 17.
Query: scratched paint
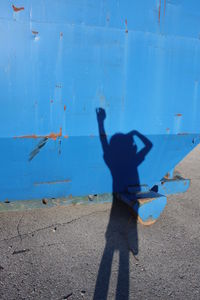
x: 34, y: 32
x: 17, y: 9
x: 53, y: 182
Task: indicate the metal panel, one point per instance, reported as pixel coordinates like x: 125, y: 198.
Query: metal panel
x: 60, y: 60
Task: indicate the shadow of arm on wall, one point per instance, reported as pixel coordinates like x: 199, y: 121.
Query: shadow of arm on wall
x: 147, y: 145
x: 101, y: 116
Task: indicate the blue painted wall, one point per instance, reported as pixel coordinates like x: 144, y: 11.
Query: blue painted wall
x: 60, y: 60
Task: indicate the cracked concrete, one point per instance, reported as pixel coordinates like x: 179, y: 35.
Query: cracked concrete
x: 55, y: 253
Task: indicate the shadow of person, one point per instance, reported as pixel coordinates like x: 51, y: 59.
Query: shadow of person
x: 122, y: 158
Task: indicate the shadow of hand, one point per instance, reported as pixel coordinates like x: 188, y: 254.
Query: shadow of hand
x: 101, y: 114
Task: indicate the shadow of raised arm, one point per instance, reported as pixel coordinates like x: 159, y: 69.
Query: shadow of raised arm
x: 147, y: 143
x: 101, y: 116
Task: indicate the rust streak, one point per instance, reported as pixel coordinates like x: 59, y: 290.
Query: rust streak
x: 52, y: 136
x: 16, y: 9
x: 53, y: 182
x: 159, y: 12
x: 33, y: 136
x: 64, y: 107
x: 178, y: 115
x: 126, y: 23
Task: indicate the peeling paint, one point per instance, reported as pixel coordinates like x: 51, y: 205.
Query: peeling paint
x: 17, y: 9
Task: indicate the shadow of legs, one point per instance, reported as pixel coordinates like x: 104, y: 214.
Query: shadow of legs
x: 122, y: 291
x: 102, y: 283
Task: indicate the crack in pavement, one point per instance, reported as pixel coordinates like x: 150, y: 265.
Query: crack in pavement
x: 50, y: 226
x: 18, y: 227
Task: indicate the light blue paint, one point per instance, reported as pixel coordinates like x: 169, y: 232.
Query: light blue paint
x: 172, y: 186
x: 151, y: 210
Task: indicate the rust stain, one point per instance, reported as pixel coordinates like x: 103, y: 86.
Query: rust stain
x: 64, y: 107
x: 167, y: 129
x: 16, y: 9
x: 126, y: 23
x: 66, y: 136
x: 61, y: 34
x: 52, y: 136
x: 37, y: 149
x: 159, y: 12
x: 33, y: 136
x: 178, y: 115
x: 34, y: 32
x: 167, y: 176
x: 53, y: 182
x: 51, y: 101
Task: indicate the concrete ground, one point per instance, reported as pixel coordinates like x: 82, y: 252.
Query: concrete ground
x: 67, y: 252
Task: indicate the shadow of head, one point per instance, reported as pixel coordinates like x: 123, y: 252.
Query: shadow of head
x: 123, y: 142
